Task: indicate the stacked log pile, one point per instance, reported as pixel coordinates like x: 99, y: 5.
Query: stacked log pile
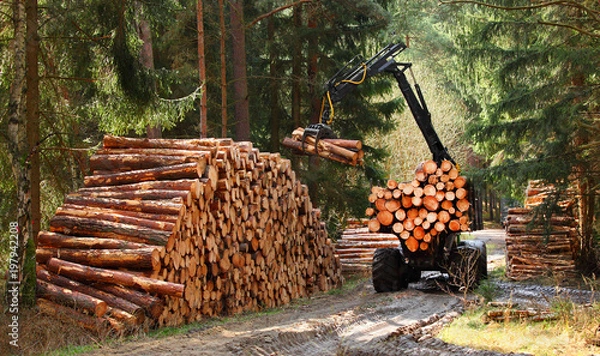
x: 356, y: 247
x: 339, y: 150
x: 433, y: 203
x: 537, y: 245
x: 167, y: 231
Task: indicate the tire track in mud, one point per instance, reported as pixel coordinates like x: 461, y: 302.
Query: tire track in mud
x: 402, y: 326
x: 358, y: 322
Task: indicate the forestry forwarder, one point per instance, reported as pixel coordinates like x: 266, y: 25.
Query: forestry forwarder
x: 393, y: 268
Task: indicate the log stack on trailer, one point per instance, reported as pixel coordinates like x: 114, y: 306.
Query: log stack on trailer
x: 538, y: 245
x: 167, y: 231
x: 433, y: 203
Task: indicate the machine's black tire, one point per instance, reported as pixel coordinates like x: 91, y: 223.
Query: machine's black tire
x: 482, y: 259
x: 389, y: 270
x: 463, y: 250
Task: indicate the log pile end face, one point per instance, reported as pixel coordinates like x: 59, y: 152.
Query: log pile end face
x: 168, y: 231
x: 537, y: 246
x: 418, y: 212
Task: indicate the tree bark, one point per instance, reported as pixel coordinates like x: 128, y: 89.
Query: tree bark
x: 275, y: 117
x: 147, y: 60
x: 222, y: 40
x: 19, y: 153
x: 297, y: 67
x: 202, y: 70
x: 240, y: 83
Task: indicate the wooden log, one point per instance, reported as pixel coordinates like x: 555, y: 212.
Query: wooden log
x: 411, y: 244
x: 460, y: 182
x: 429, y: 166
x: 529, y: 230
x: 99, y: 228
x: 454, y: 225
x: 176, y: 208
x: 117, y: 217
x: 419, y: 233
x: 47, y: 239
x: 310, y: 149
x: 443, y: 216
x: 374, y: 225
x: 392, y: 205
x: 400, y: 214
x: 398, y: 227
x: 355, y: 145
x: 135, y: 259
x: 460, y: 193
x: 100, y: 275
x: 446, y: 166
x: 185, y: 170
x: 153, y: 306
x: 430, y: 203
x: 385, y: 218
x: 463, y: 205
x: 71, y: 298
x: 130, y: 162
x: 154, y: 194
x: 201, y: 144
x: 196, y: 186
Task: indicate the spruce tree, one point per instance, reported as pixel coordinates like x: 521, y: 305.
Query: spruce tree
x: 532, y: 76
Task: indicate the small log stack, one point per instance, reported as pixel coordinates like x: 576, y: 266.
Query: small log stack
x: 433, y: 203
x: 339, y: 150
x: 168, y: 231
x: 356, y: 247
x: 538, y: 246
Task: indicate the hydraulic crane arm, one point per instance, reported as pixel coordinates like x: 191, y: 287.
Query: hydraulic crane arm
x: 348, y: 78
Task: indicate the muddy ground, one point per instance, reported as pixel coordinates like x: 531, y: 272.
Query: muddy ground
x: 355, y: 322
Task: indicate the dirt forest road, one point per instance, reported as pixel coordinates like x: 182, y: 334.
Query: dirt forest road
x: 358, y: 321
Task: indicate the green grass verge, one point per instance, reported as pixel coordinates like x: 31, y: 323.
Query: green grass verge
x: 569, y: 334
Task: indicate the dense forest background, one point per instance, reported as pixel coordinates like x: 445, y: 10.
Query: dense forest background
x: 513, y: 87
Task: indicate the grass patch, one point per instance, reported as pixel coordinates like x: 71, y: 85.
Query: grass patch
x: 568, y: 335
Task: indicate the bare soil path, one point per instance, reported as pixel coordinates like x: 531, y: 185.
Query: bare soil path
x: 357, y: 321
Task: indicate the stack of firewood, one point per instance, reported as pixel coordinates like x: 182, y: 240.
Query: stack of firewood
x: 538, y: 245
x: 433, y: 203
x: 167, y: 231
x: 356, y: 247
x: 339, y: 150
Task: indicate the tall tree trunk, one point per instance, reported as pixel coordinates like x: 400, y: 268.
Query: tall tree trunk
x: 222, y: 39
x: 586, y: 188
x: 275, y: 116
x: 202, y: 69
x: 297, y: 68
x: 240, y: 83
x: 33, y: 113
x: 19, y: 278
x: 147, y: 60
x: 313, y: 59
